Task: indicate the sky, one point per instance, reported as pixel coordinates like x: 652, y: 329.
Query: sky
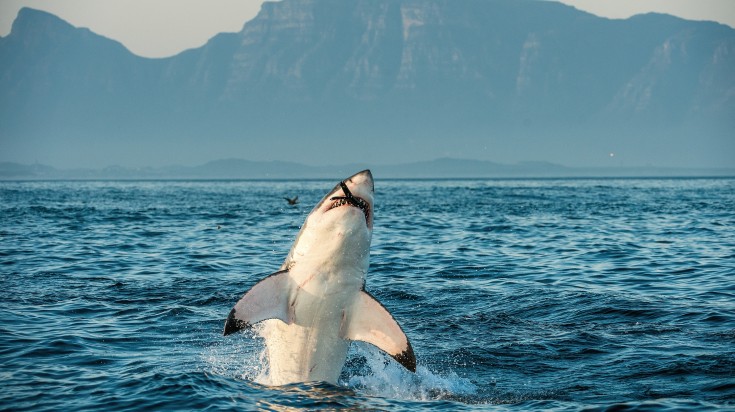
x: 161, y: 28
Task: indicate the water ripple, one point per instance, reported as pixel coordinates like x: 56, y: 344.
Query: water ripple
x: 520, y: 294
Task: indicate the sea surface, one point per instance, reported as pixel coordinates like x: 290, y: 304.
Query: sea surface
x: 569, y: 294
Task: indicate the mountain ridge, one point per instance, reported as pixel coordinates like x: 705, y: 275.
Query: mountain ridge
x: 441, y: 168
x: 394, y: 80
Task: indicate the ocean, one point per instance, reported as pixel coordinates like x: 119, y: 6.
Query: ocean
x: 527, y: 294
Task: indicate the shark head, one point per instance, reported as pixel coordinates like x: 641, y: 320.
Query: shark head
x: 341, y: 224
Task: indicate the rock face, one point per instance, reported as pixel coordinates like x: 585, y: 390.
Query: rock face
x: 397, y: 80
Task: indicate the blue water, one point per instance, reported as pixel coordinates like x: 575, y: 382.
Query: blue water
x: 516, y: 294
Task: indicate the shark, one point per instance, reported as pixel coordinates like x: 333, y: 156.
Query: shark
x: 316, y: 303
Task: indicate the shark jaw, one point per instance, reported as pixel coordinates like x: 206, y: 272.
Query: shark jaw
x: 317, y: 303
x: 351, y: 200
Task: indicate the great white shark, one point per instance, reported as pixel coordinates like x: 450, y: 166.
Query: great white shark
x: 319, y: 295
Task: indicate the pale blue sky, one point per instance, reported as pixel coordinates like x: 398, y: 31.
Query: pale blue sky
x: 166, y: 27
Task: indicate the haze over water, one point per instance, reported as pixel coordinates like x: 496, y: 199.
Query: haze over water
x: 516, y: 294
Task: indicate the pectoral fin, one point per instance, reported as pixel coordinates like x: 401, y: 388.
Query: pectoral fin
x: 268, y: 299
x: 370, y: 322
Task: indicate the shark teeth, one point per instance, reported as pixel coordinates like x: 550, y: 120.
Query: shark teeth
x: 352, y: 201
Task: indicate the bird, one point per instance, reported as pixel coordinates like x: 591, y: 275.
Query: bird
x: 293, y: 201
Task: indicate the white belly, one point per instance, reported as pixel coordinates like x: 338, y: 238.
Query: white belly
x: 302, y: 354
x: 311, y: 348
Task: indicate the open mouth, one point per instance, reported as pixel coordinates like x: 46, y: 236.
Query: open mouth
x: 350, y: 199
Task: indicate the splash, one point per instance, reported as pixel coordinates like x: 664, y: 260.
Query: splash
x: 242, y: 356
x: 370, y: 372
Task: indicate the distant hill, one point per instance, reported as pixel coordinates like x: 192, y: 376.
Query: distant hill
x: 445, y: 168
x: 344, y: 81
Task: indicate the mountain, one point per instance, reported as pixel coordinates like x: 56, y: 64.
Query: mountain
x: 389, y: 81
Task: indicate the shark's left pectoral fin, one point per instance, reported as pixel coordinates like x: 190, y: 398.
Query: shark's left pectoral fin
x: 370, y: 322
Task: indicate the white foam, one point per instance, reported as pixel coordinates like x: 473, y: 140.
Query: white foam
x: 386, y: 378
x: 239, y: 356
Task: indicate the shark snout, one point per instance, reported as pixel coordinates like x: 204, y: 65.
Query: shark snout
x: 364, y: 178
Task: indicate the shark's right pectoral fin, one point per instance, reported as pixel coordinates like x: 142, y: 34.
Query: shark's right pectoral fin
x: 370, y: 322
x: 268, y: 299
